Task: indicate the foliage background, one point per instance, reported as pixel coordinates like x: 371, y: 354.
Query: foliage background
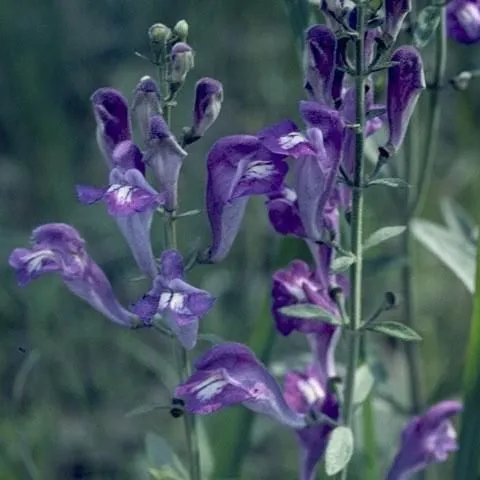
x: 67, y: 376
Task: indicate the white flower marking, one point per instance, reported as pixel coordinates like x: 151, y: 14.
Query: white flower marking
x: 260, y: 169
x: 210, y: 387
x: 36, y: 259
x: 291, y: 140
x: 123, y: 193
x: 173, y: 301
x: 311, y: 390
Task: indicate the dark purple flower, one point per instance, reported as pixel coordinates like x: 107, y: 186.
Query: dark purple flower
x: 180, y: 304
x: 238, y: 166
x: 283, y: 213
x: 307, y: 393
x: 319, y: 62
x: 463, y: 21
x: 146, y: 103
x: 58, y: 248
x: 182, y: 61
x: 111, y: 114
x: 406, y: 80
x: 131, y: 201
x: 165, y: 156
x: 230, y: 374
x: 207, y: 105
x: 316, y: 174
x: 426, y: 439
x: 297, y: 284
x: 395, y: 13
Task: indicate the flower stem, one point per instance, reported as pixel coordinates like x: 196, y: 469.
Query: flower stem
x: 356, y: 224
x: 183, y: 360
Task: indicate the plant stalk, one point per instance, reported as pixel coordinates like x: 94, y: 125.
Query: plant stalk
x: 356, y: 224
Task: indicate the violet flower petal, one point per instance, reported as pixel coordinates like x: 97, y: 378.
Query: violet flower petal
x: 395, y: 13
x: 463, y: 21
x: 283, y: 213
x: 207, y: 105
x: 127, y: 155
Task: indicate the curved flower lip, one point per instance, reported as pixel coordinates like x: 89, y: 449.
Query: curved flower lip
x: 406, y: 80
x: 111, y: 114
x: 58, y: 248
x: 463, y: 21
x: 207, y: 105
x: 426, y: 439
x: 230, y: 374
x: 395, y: 13
x: 283, y: 212
x: 319, y: 62
x: 179, y: 303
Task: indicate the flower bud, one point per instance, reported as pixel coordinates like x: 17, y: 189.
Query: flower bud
x: 182, y: 62
x: 181, y: 30
x: 461, y: 81
x: 159, y: 34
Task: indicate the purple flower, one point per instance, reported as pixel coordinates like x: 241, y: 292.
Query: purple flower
x: 463, y: 21
x: 316, y: 174
x: 395, y: 13
x: 127, y: 155
x: 239, y: 166
x: 283, y: 212
x: 319, y: 62
x: 182, y: 62
x: 297, y: 284
x: 207, y: 105
x: 179, y: 303
x: 58, y: 248
x: 131, y: 201
x: 111, y: 114
x: 165, y: 156
x: 146, y: 103
x: 406, y: 80
x: 307, y: 392
x: 426, y: 439
x: 230, y: 374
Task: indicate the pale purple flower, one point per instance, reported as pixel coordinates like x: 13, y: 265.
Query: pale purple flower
x: 426, y: 439
x: 230, y: 374
x: 180, y: 304
x: 165, y: 156
x: 406, y: 80
x: 58, y: 248
x: 146, y: 103
x: 298, y: 284
x: 111, y: 115
x: 319, y: 62
x: 307, y: 392
x: 395, y: 13
x: 182, y: 61
x: 240, y: 166
x: 463, y: 21
x: 127, y: 155
x: 131, y: 201
x: 207, y: 105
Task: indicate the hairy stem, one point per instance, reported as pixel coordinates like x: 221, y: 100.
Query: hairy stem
x: 356, y: 224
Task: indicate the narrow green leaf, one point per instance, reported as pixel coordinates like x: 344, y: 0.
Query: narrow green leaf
x: 458, y: 220
x: 364, y: 381
x: 391, y: 182
x: 339, y: 450
x: 382, y: 235
x: 449, y: 247
x: 147, y: 408
x: 427, y: 23
x: 467, y: 460
x: 307, y: 310
x: 212, y: 338
x: 340, y: 264
x: 164, y: 473
x: 188, y: 213
x: 161, y: 457
x: 394, y: 329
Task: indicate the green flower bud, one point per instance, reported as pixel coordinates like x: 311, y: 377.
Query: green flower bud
x: 181, y: 30
x: 159, y: 34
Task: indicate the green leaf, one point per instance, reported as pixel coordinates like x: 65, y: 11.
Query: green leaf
x: 307, y: 310
x: 164, y: 473
x: 449, y: 247
x: 147, y: 408
x: 391, y: 182
x: 364, y: 381
x: 161, y: 457
x: 466, y: 465
x: 458, y: 220
x: 427, y: 23
x: 212, y: 338
x: 188, y: 213
x: 382, y: 235
x: 340, y: 264
x: 339, y: 450
x: 207, y: 458
x: 394, y: 329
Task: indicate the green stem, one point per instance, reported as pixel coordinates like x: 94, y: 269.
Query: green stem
x: 183, y: 360
x: 433, y: 120
x: 356, y: 225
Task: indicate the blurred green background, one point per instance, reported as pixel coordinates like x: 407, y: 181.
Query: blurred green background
x: 67, y: 375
